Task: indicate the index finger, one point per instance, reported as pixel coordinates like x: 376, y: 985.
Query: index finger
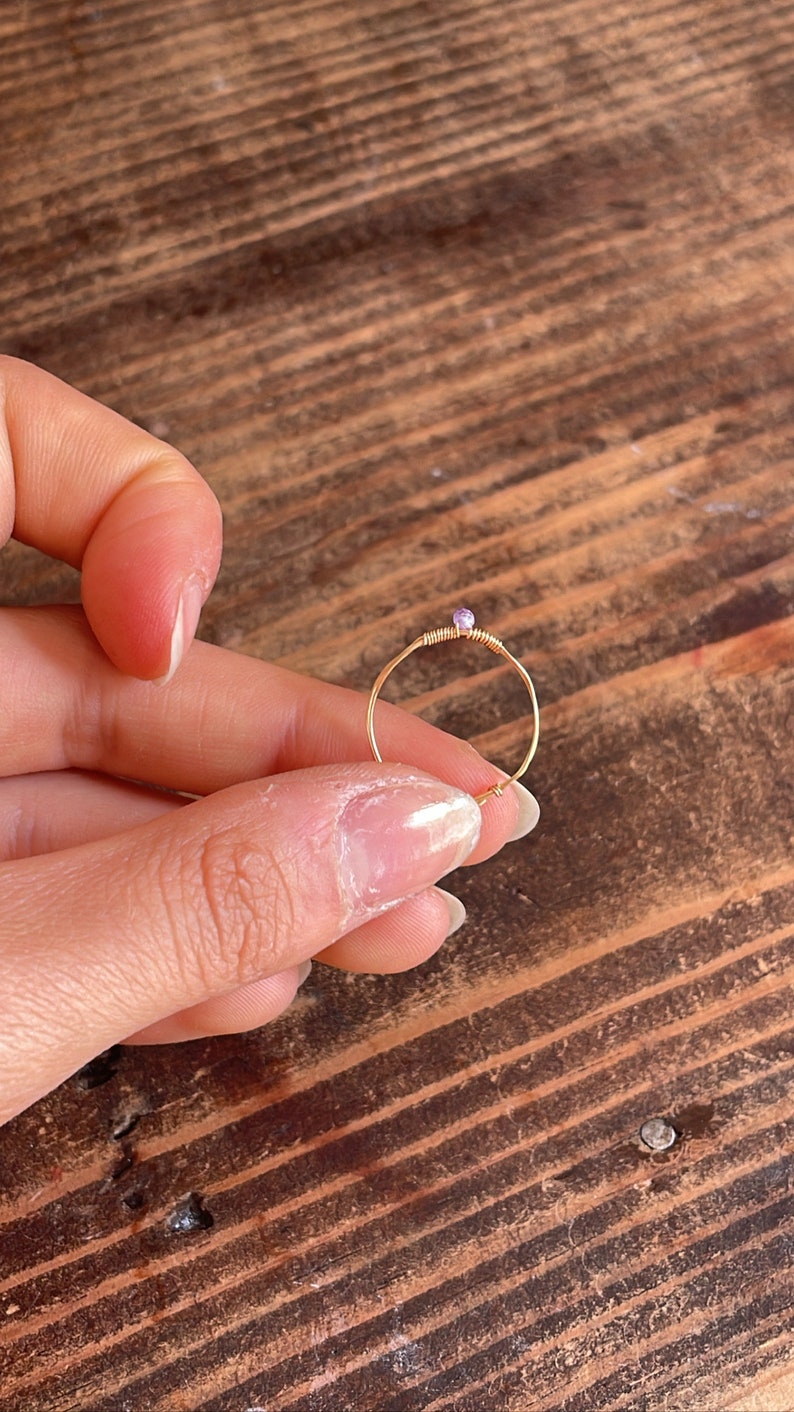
x: 224, y: 720
x: 86, y: 486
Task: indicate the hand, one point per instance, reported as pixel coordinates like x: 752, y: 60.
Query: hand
x: 131, y: 912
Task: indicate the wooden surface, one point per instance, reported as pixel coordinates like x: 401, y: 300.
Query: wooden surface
x: 481, y: 302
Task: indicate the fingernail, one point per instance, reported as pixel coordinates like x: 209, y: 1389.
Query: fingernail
x: 457, y: 912
x: 401, y: 838
x: 304, y: 971
x: 528, y: 812
x: 187, y: 616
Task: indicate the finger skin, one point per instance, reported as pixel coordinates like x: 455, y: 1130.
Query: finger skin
x: 247, y: 1008
x: 398, y: 940
x: 42, y: 813
x: 224, y: 718
x: 86, y: 486
x: 203, y: 901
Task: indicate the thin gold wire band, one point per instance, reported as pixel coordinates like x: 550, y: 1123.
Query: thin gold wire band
x: 449, y: 634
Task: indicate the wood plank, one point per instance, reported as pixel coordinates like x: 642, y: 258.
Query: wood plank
x: 449, y: 302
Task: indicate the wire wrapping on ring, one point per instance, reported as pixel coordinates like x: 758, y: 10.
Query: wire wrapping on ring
x: 431, y: 638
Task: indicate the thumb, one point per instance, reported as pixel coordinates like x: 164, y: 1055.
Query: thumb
x: 105, y: 939
x: 83, y: 484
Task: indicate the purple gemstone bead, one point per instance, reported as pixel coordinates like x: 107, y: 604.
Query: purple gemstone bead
x: 463, y: 618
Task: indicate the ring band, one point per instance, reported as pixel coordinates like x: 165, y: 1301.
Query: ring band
x: 462, y: 626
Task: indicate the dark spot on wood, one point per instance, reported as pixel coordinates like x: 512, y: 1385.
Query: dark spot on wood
x: 124, y: 1162
x: 134, y: 1200
x: 729, y: 430
x: 124, y: 1126
x: 190, y: 1215
x: 775, y: 101
x: 696, y: 1120
x: 100, y: 1070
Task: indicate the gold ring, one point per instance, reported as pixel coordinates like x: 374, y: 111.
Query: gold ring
x: 462, y: 626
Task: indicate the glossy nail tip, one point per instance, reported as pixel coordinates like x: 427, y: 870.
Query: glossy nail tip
x: 457, y: 912
x: 177, y: 646
x: 187, y: 618
x: 528, y: 812
x: 396, y: 840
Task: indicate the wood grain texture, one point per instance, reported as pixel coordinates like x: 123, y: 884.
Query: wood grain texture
x: 450, y: 302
